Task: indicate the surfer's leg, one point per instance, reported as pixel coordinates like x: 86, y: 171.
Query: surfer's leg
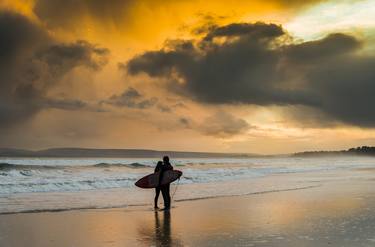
x: 169, y: 197
x: 163, y: 192
x: 157, y: 192
x: 166, y: 196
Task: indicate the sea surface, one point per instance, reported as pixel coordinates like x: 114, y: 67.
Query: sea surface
x: 53, y: 184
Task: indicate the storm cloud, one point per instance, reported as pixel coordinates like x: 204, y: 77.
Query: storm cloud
x: 31, y: 63
x: 261, y: 64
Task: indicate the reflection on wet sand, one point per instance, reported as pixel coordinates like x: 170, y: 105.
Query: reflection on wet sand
x: 161, y: 233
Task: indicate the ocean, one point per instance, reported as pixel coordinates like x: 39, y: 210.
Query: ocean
x: 54, y: 184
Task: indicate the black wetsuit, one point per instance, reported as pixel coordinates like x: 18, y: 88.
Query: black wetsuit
x: 163, y: 188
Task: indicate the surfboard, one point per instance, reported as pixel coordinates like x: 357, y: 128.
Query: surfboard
x: 152, y: 180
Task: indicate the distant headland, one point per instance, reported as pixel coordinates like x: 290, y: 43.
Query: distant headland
x: 364, y: 150
x: 148, y: 153
x: 113, y: 153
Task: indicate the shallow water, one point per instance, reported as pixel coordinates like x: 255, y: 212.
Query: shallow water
x: 39, y: 184
x: 339, y: 213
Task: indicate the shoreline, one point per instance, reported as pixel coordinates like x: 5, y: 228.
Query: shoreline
x: 150, y: 204
x: 337, y: 213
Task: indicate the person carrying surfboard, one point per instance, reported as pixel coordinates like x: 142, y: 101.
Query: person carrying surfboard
x: 157, y: 189
x: 162, y: 167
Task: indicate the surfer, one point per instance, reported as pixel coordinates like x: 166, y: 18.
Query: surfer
x: 162, y: 167
x: 157, y: 189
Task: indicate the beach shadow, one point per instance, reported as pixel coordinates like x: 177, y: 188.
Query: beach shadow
x: 161, y: 234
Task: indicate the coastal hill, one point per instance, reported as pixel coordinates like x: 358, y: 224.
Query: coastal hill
x: 147, y: 153
x: 364, y: 150
x: 113, y: 153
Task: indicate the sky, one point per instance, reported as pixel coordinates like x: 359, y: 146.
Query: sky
x: 264, y: 77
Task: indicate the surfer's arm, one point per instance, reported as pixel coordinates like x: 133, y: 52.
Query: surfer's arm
x: 157, y: 168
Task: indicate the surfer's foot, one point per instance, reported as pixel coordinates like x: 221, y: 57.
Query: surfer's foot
x: 166, y: 209
x: 156, y: 207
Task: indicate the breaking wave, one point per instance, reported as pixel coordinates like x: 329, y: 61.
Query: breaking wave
x: 66, y: 185
x: 9, y: 166
x: 131, y: 165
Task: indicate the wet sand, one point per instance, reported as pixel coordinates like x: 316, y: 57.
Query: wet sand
x: 335, y: 213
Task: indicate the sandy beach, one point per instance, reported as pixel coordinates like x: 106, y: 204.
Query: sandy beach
x: 332, y: 213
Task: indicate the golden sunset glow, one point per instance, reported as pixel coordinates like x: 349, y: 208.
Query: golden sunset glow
x: 144, y: 74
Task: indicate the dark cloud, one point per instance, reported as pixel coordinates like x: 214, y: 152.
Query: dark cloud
x: 64, y: 104
x: 63, y: 57
x: 31, y: 63
x: 241, y: 71
x: 346, y: 89
x: 332, y: 46
x: 131, y: 98
x: 258, y: 31
x: 259, y: 64
x: 18, y: 36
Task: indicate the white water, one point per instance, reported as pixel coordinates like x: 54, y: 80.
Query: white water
x: 28, y: 184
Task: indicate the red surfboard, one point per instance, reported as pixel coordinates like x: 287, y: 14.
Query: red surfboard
x: 152, y: 180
